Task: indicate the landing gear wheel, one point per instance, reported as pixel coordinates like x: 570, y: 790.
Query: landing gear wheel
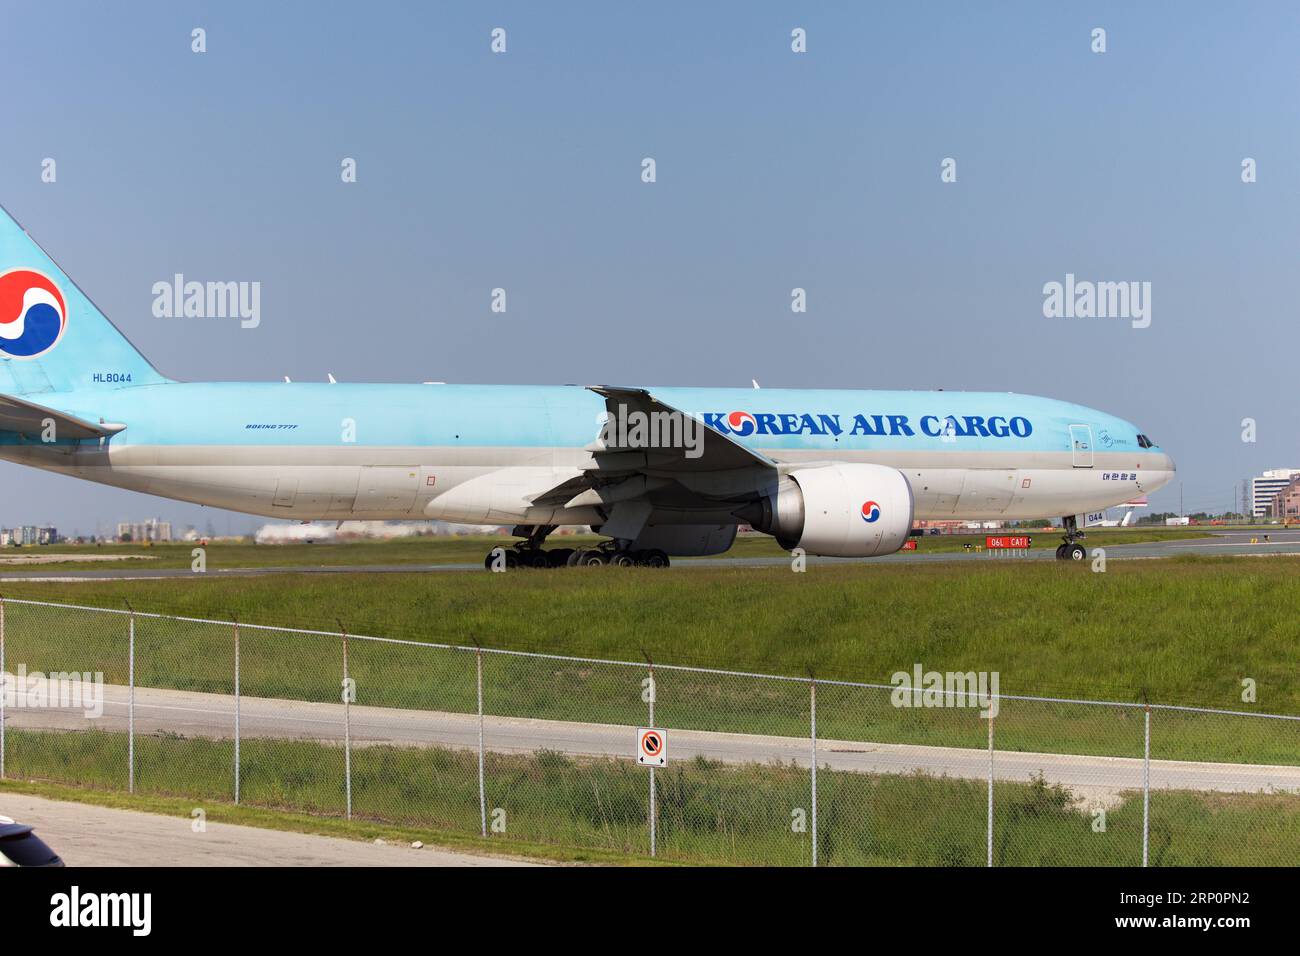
x: 1060, y: 552
x: 589, y: 559
x: 534, y: 558
x: 623, y: 559
x: 558, y: 558
x: 654, y: 558
x: 1076, y: 552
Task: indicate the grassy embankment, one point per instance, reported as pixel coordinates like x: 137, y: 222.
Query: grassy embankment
x: 1186, y: 631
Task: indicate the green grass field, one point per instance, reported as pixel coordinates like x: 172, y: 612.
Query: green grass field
x: 469, y: 549
x: 1182, y: 631
x: 707, y: 812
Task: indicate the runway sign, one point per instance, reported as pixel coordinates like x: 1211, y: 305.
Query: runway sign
x: 1017, y: 542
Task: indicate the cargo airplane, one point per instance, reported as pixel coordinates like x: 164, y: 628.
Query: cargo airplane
x: 655, y: 471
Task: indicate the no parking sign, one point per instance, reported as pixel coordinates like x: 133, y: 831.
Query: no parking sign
x: 651, y: 747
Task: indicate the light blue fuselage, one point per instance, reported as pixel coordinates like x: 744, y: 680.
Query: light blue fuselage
x: 307, y: 450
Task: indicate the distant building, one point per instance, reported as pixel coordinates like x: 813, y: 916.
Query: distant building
x: 29, y: 534
x: 1265, y: 488
x: 151, y: 529
x: 1286, y: 503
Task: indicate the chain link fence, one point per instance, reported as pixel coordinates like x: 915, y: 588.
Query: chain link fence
x: 538, y: 748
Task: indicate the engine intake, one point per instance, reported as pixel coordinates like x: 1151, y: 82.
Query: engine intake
x: 840, y: 510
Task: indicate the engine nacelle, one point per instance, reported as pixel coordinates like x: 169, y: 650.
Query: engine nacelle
x: 841, y: 510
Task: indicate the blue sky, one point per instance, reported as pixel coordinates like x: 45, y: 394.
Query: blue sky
x: 775, y: 170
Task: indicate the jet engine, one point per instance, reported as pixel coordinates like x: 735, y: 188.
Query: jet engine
x: 839, y: 510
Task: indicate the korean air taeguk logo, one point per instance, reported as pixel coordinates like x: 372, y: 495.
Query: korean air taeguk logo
x: 870, y: 512
x: 33, y: 314
x: 741, y: 423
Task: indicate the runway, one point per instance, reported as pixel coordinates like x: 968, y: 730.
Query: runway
x: 1097, y: 780
x: 1220, y: 543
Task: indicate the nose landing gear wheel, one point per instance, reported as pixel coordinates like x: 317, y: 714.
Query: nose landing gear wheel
x: 1071, y: 550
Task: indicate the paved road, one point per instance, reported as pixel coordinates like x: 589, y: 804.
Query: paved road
x: 86, y: 835
x: 1094, y: 779
x: 1223, y: 543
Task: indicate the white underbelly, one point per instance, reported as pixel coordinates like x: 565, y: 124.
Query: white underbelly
x: 1014, y: 494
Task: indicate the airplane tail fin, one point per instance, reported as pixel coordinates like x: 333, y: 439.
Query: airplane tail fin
x: 52, y: 337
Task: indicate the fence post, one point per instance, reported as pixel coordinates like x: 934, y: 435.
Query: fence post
x: 990, y: 825
x: 812, y: 714
x: 482, y: 789
x: 130, y: 703
x: 654, y: 692
x: 236, y: 624
x: 1146, y: 785
x: 347, y: 725
x: 3, y: 687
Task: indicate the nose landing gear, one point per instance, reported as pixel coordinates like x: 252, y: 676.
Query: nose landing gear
x: 1071, y: 550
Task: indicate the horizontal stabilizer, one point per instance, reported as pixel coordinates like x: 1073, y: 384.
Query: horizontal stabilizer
x: 35, y: 421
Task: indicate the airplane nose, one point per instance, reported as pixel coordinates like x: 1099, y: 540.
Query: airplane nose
x: 1163, y: 472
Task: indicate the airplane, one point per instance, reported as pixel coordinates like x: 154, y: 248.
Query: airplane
x: 656, y: 472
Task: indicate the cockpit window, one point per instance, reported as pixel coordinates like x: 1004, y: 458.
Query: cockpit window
x: 1144, y: 442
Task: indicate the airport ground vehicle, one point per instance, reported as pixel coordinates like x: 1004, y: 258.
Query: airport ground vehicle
x: 20, y: 846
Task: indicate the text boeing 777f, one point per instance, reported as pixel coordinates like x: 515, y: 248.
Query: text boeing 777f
x: 658, y: 471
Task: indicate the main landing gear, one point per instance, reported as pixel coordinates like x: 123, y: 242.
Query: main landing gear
x: 1071, y: 550
x: 531, y: 554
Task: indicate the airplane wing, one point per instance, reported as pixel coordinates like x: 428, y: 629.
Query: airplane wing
x: 710, y: 466
x: 715, y: 451
x: 31, y: 421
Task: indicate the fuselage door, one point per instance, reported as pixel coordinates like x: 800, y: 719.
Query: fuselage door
x: 286, y: 489
x: 387, y: 489
x: 1081, y: 443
